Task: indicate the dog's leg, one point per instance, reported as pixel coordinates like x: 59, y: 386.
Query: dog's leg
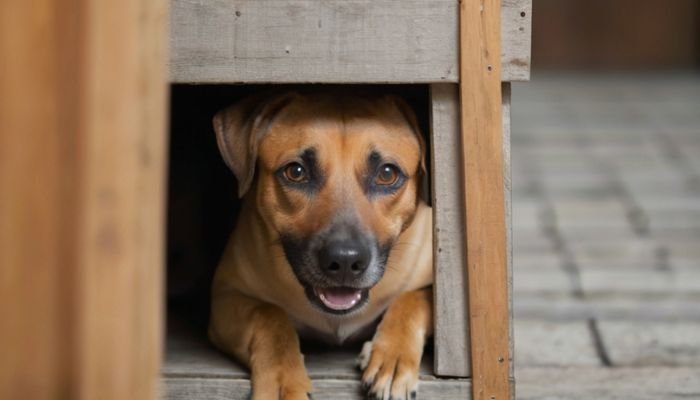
x: 261, y: 336
x: 390, y: 361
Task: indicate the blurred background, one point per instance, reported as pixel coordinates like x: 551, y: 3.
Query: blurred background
x: 606, y: 202
x: 621, y: 35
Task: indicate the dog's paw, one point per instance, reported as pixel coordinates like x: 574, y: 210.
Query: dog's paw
x: 282, y: 385
x: 390, y: 370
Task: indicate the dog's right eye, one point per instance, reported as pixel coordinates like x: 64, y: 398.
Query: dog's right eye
x: 295, y: 172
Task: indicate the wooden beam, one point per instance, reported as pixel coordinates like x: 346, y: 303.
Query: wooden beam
x: 331, y: 41
x: 486, y: 242
x: 82, y: 178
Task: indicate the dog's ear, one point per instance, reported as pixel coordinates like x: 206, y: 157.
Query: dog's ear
x: 410, y: 117
x: 239, y: 129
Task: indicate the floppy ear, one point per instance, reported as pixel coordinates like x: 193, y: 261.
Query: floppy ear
x: 239, y: 129
x: 410, y: 117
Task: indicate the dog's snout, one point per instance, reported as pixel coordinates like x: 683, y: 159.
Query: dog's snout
x: 344, y: 260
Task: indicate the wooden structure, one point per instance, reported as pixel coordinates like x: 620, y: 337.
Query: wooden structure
x: 82, y: 178
x: 409, y: 42
x: 91, y: 253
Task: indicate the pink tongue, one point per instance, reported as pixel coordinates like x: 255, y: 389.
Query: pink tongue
x: 339, y: 298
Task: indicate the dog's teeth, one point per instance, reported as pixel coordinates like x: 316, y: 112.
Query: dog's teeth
x: 339, y: 302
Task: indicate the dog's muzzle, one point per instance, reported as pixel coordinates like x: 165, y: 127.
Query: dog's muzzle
x: 343, y: 262
x: 337, y: 266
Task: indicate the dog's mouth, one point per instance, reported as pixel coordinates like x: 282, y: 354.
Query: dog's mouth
x: 338, y: 300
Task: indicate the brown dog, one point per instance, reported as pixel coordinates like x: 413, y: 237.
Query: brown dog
x: 332, y: 236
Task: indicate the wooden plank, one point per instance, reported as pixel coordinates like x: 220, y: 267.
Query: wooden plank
x: 507, y: 192
x: 484, y: 206
x: 189, y: 353
x: 194, y: 369
x: 331, y: 41
x: 124, y: 205
x: 122, y: 229
x: 82, y: 160
x: 204, y: 361
x: 451, y: 332
x: 451, y: 335
x: 324, y: 389
x: 36, y: 247
x: 516, y: 40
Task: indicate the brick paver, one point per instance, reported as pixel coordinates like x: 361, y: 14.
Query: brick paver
x: 638, y: 343
x: 606, y: 228
x: 560, y: 343
x: 577, y: 383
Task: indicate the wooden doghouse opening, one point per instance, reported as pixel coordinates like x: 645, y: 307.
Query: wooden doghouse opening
x: 202, y: 209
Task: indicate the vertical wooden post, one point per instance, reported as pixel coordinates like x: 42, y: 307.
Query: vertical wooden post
x: 451, y: 335
x: 482, y: 152
x: 82, y: 176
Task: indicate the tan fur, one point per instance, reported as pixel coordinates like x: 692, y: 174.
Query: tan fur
x: 258, y: 305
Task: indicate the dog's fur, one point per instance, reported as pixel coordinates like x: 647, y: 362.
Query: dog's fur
x: 264, y: 293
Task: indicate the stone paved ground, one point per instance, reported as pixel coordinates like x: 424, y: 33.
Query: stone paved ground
x: 606, y: 219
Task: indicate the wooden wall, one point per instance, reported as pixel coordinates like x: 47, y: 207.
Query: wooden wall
x: 82, y: 159
x: 615, y: 34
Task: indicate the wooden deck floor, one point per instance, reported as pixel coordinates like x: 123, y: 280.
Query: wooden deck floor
x: 194, y: 369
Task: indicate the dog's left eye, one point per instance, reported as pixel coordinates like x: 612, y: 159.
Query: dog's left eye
x: 388, y: 175
x: 295, y: 172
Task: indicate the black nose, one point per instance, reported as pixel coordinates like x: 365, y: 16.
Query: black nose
x: 344, y: 260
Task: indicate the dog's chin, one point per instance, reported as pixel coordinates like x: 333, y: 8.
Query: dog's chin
x: 337, y: 300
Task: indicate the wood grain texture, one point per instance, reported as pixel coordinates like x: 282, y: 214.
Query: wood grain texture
x: 483, y: 180
x: 196, y: 388
x: 82, y: 162
x: 331, y: 41
x: 37, y: 249
x: 194, y: 369
x: 122, y: 229
x: 451, y: 301
x: 507, y: 191
x: 516, y: 40
x: 451, y: 335
x: 189, y: 353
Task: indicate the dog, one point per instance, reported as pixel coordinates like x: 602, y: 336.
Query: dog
x: 333, y: 238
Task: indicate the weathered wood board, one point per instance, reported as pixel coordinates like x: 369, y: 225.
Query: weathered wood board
x: 195, y: 370
x: 213, y: 388
x: 331, y: 41
x: 451, y: 324
x: 451, y: 305
x: 508, y: 194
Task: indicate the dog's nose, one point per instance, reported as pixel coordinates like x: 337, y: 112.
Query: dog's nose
x: 344, y: 260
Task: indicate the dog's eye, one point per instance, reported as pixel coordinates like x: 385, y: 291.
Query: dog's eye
x: 388, y: 175
x: 295, y: 172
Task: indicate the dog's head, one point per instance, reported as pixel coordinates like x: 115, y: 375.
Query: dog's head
x: 335, y: 180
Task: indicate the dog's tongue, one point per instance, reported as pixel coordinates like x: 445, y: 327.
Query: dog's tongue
x: 339, y: 298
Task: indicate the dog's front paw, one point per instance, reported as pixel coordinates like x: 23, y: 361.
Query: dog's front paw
x: 282, y: 384
x: 390, y: 369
